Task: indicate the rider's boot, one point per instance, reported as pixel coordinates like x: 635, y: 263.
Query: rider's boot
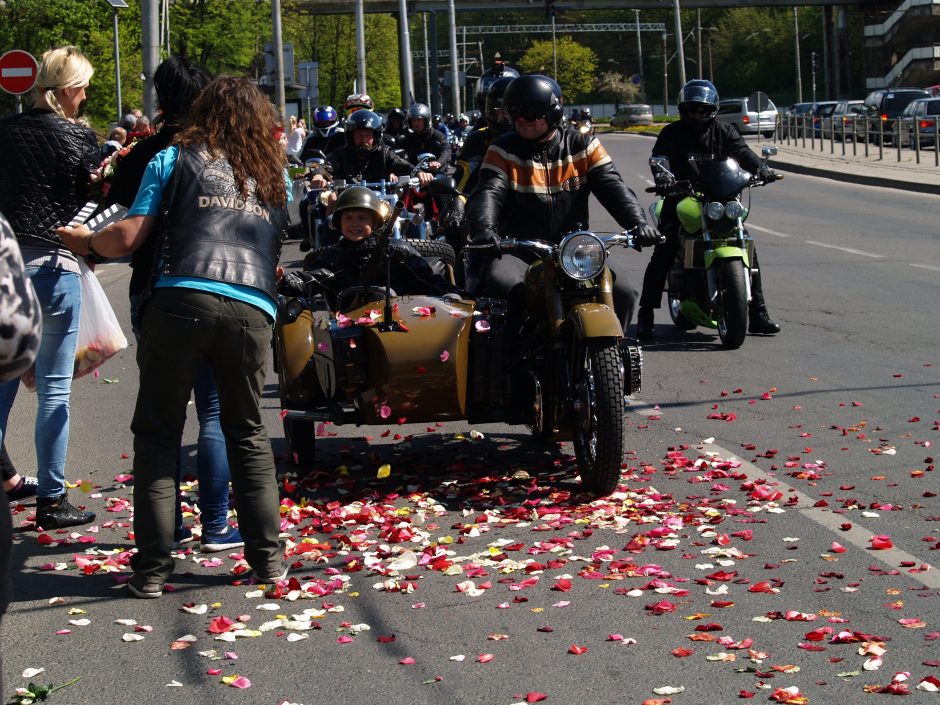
x: 644, y: 323
x: 760, y: 322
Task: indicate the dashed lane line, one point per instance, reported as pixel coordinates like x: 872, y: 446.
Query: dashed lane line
x: 767, y: 230
x: 849, y: 250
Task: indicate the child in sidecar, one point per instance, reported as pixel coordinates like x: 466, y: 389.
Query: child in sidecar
x: 360, y: 215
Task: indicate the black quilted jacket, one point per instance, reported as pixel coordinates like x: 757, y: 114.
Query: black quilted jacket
x: 44, y: 172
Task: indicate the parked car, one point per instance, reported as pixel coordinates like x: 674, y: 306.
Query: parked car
x: 842, y: 119
x: 934, y: 91
x: 630, y: 115
x: 797, y: 109
x: 920, y: 116
x: 821, y: 112
x: 743, y: 115
x: 884, y: 106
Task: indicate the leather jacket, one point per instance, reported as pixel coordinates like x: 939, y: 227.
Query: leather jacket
x: 679, y: 140
x: 44, y: 173
x: 540, y: 190
x: 431, y: 140
x: 349, y: 164
x: 471, y: 156
x: 211, y: 232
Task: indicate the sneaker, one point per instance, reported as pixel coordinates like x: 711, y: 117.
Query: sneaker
x: 146, y: 591
x: 59, y: 513
x: 25, y: 488
x: 223, y: 541
x: 182, y: 535
x: 271, y: 575
x: 644, y: 323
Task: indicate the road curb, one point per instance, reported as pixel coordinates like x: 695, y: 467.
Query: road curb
x: 847, y: 176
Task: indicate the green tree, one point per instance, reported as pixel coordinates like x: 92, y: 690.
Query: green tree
x: 577, y: 65
x: 618, y: 88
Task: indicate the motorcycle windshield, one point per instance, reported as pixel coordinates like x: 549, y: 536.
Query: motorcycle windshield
x: 720, y: 180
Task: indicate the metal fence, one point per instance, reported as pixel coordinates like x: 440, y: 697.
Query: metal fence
x: 862, y: 135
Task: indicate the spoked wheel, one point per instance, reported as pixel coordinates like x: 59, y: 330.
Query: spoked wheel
x: 732, y: 303
x: 301, y: 440
x: 678, y: 319
x: 599, y: 419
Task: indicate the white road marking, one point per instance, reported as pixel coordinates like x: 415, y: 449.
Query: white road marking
x: 849, y: 250
x: 927, y: 266
x: 766, y: 230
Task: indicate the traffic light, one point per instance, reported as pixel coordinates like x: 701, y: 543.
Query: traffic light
x: 549, y: 8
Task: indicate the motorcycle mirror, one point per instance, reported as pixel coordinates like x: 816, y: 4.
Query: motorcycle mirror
x: 768, y: 152
x: 658, y: 162
x: 443, y: 186
x: 426, y: 157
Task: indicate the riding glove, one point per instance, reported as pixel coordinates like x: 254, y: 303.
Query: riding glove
x: 767, y: 175
x: 488, y: 237
x: 648, y: 236
x: 664, y: 180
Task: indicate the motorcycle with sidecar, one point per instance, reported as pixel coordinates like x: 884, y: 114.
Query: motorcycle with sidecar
x: 368, y: 355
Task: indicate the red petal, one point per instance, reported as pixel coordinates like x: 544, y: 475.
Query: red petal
x: 535, y: 697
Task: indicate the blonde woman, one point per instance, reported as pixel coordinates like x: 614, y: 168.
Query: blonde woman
x: 44, y: 181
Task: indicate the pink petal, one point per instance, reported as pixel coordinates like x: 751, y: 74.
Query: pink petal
x: 241, y: 682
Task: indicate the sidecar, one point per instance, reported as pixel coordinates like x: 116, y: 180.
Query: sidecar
x: 363, y: 360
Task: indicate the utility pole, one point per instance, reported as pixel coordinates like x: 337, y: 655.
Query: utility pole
x: 698, y: 43
x: 279, y: 62
x: 404, y: 45
x: 454, y: 69
x: 150, y: 51
x: 679, y: 43
x: 550, y: 13
x: 360, y: 47
x: 639, y: 54
x: 665, y: 76
x: 796, y: 49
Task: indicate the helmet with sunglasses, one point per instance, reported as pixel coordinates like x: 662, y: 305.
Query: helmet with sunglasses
x: 494, y: 73
x: 532, y: 97
x: 698, y: 96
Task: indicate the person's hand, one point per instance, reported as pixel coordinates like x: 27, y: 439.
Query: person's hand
x: 76, y: 239
x: 434, y: 166
x: 767, y: 175
x: 425, y: 177
x: 393, y: 178
x: 488, y: 237
x: 318, y: 181
x: 647, y: 236
x: 664, y: 180
x: 400, y: 250
x: 293, y: 283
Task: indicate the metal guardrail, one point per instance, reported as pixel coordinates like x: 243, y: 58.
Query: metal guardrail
x: 824, y: 134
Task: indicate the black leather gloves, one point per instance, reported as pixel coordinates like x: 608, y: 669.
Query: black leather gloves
x: 488, y: 237
x: 304, y: 283
x: 648, y: 236
x: 664, y: 180
x: 767, y: 175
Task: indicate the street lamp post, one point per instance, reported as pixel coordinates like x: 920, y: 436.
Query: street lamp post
x: 665, y: 77
x: 639, y: 54
x: 115, y: 5
x: 796, y: 49
x: 680, y: 42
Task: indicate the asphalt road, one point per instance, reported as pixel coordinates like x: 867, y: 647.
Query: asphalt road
x: 837, y: 414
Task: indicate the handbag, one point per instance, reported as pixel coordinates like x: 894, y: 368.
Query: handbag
x: 99, y: 334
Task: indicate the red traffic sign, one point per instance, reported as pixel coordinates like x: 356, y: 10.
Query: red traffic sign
x: 18, y: 71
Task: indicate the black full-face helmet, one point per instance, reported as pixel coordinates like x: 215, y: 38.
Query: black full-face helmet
x: 364, y: 120
x: 396, y: 114
x: 360, y: 197
x: 494, y: 98
x: 698, y: 94
x: 532, y: 97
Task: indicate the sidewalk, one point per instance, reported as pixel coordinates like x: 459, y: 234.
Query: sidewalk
x: 886, y: 173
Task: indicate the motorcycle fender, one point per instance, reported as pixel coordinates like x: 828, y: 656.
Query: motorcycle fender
x: 594, y: 320
x: 726, y: 253
x: 295, y: 349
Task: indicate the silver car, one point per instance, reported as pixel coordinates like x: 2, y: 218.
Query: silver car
x: 920, y: 116
x: 632, y: 115
x: 741, y: 113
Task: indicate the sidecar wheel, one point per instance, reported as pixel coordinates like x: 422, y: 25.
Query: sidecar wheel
x: 599, y: 424
x: 678, y: 319
x: 301, y: 440
x: 732, y: 303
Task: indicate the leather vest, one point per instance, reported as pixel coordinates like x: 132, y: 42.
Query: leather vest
x: 211, y: 232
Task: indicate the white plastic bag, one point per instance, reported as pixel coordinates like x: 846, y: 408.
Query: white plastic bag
x: 99, y: 333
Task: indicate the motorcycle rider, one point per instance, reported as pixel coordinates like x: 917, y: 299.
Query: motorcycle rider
x: 395, y: 130
x: 462, y: 128
x: 359, y: 215
x: 441, y: 126
x: 326, y: 134
x: 357, y: 101
x: 535, y: 182
x: 478, y: 141
x: 494, y: 72
x: 697, y: 132
x: 423, y: 138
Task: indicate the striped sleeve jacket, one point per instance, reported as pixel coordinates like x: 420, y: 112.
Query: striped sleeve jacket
x: 541, y: 190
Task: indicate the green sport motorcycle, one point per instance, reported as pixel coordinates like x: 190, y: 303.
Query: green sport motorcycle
x: 710, y: 284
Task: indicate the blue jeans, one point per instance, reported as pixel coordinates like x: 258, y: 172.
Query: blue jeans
x: 60, y: 295
x: 211, y: 460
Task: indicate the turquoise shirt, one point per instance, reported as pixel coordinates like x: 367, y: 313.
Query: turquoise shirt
x: 149, y: 197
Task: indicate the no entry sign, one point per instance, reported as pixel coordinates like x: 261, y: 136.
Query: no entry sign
x: 17, y: 71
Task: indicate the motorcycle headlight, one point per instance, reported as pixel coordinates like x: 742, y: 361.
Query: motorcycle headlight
x: 734, y: 210
x: 715, y: 210
x: 584, y: 129
x: 582, y: 255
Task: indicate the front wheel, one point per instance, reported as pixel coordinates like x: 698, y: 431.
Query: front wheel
x: 732, y: 303
x: 301, y: 440
x: 599, y: 420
